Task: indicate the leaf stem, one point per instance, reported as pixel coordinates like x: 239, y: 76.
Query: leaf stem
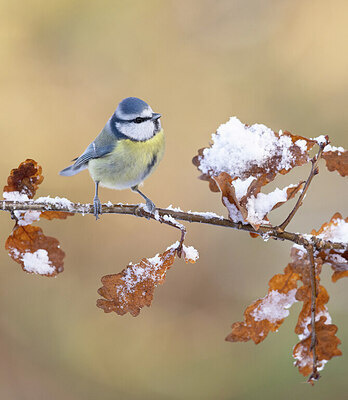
x: 314, y: 376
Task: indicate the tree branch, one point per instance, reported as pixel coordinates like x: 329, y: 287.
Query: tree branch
x: 265, y: 231
x: 314, y: 171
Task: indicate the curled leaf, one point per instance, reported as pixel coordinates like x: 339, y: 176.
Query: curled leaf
x: 25, y: 179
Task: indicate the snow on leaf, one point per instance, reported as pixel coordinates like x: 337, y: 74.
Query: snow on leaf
x: 267, y: 314
x: 326, y: 344
x: 258, y: 207
x: 25, y: 179
x: 27, y: 244
x: 336, y: 230
x: 37, y: 253
x: 243, y: 151
x: 244, y: 201
x: 190, y: 254
x: 304, y: 294
x: 22, y: 185
x: 242, y: 159
x: 326, y: 347
x: 336, y: 159
x: 133, y: 288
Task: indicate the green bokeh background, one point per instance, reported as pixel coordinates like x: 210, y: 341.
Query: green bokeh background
x: 64, y: 67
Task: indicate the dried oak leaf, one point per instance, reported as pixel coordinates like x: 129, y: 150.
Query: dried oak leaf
x: 55, y: 215
x: 267, y: 314
x: 336, y: 230
x: 326, y: 347
x: 37, y: 253
x: 336, y: 161
x: 302, y: 351
x: 25, y: 179
x: 304, y: 294
x: 244, y: 151
x: 248, y: 204
x: 300, y: 264
x: 243, y: 159
x: 133, y: 288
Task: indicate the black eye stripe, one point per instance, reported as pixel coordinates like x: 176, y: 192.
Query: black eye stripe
x: 138, y: 120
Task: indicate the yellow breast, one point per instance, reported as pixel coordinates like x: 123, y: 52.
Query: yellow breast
x: 129, y: 163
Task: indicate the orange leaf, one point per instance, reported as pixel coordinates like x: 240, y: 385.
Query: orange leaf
x: 326, y: 347
x: 304, y: 294
x: 25, y: 179
x: 242, y: 159
x: 56, y: 215
x: 267, y: 314
x: 336, y: 230
x: 133, y: 288
x: 246, y: 204
x: 36, y: 252
x: 336, y: 161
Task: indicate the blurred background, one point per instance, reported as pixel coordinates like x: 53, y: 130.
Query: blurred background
x: 64, y: 67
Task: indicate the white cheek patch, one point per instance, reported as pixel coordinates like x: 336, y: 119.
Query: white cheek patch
x: 142, y: 131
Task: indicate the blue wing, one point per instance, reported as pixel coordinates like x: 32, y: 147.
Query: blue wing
x: 103, y: 145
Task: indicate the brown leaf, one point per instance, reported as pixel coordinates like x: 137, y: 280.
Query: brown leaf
x: 336, y: 161
x: 267, y: 314
x: 304, y: 294
x: 56, y: 215
x: 280, y: 154
x: 133, y: 288
x: 326, y: 347
x: 250, y: 208
x: 335, y: 231
x: 242, y: 159
x: 291, y: 192
x: 25, y: 179
x: 36, y: 252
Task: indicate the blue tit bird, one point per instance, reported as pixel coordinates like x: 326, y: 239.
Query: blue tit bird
x: 126, y: 151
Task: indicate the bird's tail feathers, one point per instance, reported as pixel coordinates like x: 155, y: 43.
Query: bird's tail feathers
x: 72, y: 170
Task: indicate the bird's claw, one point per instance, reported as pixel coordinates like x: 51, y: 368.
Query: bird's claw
x: 150, y: 207
x: 96, y: 207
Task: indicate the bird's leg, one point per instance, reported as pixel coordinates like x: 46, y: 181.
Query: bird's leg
x: 149, y: 204
x: 96, y: 202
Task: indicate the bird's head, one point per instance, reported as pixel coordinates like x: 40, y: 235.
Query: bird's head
x: 135, y: 119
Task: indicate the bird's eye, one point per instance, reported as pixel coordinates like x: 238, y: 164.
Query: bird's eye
x: 138, y: 120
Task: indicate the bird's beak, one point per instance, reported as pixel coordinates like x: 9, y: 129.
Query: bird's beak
x: 155, y: 116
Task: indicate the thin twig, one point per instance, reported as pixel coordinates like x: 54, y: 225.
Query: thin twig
x: 314, y: 171
x: 203, y: 218
x: 315, y: 374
